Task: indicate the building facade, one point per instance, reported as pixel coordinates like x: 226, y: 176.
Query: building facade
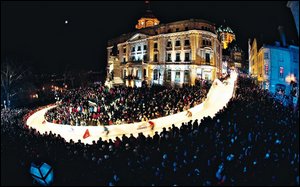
x: 175, y: 53
x: 226, y: 35
x: 275, y: 66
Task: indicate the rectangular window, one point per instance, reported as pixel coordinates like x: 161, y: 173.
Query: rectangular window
x: 169, y: 44
x: 145, y: 57
x: 145, y: 47
x: 124, y: 50
x: 169, y: 75
x: 177, y: 76
x: 281, y: 72
x: 186, y: 42
x: 207, y: 58
x: 177, y: 57
x: 266, y: 69
x: 133, y: 48
x: 155, y: 45
x: 177, y: 29
x: 177, y: 43
x: 266, y: 56
x: 295, y: 56
x: 124, y: 59
x: 137, y: 73
x: 139, y: 48
x: 186, y: 76
x: 155, y: 74
x: 187, y: 57
x: 169, y: 57
x: 280, y: 58
x: 124, y: 73
x: 155, y: 57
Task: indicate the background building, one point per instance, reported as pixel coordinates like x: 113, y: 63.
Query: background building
x: 226, y: 35
x: 276, y: 67
x: 175, y: 53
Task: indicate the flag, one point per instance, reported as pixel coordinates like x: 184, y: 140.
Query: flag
x: 86, y: 134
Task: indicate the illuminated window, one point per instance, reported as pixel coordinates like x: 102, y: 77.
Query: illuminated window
x: 266, y: 56
x: 186, y: 76
x: 281, y: 72
x: 177, y: 76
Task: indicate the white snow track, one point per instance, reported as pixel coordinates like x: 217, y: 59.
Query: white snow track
x: 217, y: 97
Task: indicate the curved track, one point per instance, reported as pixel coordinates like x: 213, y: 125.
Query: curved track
x: 217, y: 97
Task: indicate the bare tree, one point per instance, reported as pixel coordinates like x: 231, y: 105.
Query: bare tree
x: 11, y: 74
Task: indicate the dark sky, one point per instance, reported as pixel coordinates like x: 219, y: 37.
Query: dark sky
x: 36, y: 31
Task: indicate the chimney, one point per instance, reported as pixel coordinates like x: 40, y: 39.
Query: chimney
x: 282, y: 35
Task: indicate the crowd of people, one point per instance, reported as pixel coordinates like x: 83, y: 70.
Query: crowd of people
x: 99, y: 105
x: 254, y: 140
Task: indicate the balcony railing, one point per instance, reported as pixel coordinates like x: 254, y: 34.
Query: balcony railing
x: 187, y: 47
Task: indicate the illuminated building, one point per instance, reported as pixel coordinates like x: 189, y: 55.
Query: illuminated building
x: 226, y: 35
x: 173, y: 53
x: 232, y: 56
x: 148, y: 20
x: 275, y: 66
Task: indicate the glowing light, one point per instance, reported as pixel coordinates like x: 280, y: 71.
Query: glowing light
x: 290, y: 78
x: 66, y: 22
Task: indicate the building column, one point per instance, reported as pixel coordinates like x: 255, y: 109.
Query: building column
x: 181, y: 76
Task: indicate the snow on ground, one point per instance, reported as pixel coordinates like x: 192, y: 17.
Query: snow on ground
x: 217, y: 97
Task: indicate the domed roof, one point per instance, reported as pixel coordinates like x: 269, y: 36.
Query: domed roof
x: 224, y: 29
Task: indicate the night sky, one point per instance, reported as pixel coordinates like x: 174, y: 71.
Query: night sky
x: 36, y: 33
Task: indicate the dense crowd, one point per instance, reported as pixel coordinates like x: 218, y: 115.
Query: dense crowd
x: 252, y: 141
x: 99, y: 105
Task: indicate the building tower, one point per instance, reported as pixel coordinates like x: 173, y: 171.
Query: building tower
x: 148, y: 20
x: 226, y: 35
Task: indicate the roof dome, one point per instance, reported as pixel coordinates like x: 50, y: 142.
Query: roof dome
x: 224, y: 29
